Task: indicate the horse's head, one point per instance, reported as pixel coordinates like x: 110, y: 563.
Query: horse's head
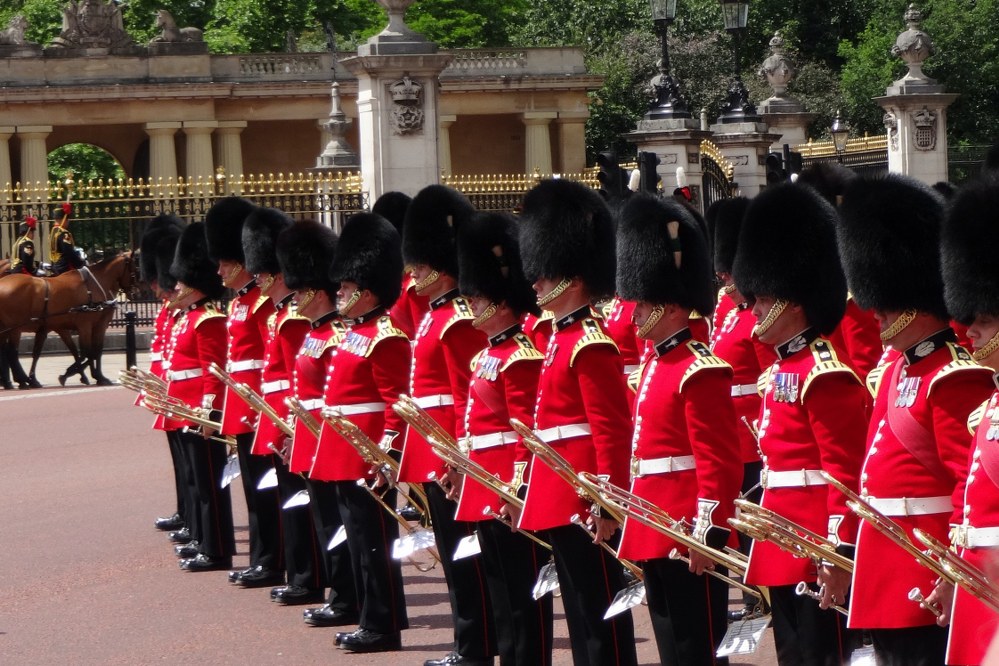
x: 164, y: 19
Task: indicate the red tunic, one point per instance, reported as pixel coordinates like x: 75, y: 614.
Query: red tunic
x: 369, y: 370
x: 582, y: 385
x: 247, y: 328
x: 972, y: 623
x: 309, y: 381
x: 197, y: 340
x: 734, y: 343
x: 158, y: 348
x: 620, y: 327
x: 723, y: 306
x: 685, y: 453
x: 813, y: 418
x: 408, y: 311
x: 538, y: 329
x: 859, y: 339
x: 918, y: 450
x: 445, y: 345
x: 504, y: 385
x: 286, y: 331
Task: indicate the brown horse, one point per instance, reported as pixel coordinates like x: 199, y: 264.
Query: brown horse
x: 78, y: 300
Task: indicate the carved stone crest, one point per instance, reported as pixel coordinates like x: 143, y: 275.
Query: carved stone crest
x: 92, y: 24
x: 407, y: 106
x: 924, y: 123
x: 890, y: 121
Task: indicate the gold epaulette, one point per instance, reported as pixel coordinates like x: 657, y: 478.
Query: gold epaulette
x: 339, y: 331
x: 826, y: 362
x: 593, y: 334
x: 962, y: 361
x: 605, y: 309
x: 873, y: 382
x: 547, y: 317
x: 210, y: 312
x: 763, y: 380
x: 703, y: 360
x: 462, y: 311
x: 260, y: 301
x: 526, y: 351
x: 386, y: 329
x: 976, y: 417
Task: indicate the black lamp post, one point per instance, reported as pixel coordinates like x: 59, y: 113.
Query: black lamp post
x: 669, y: 102
x: 840, y: 132
x: 737, y: 107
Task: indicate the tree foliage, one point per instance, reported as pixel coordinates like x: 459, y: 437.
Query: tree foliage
x: 85, y: 161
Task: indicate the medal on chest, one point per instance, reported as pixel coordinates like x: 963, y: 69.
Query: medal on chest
x: 355, y: 343
x: 784, y: 386
x: 313, y: 347
x: 488, y: 368
x: 240, y: 312
x: 908, y: 389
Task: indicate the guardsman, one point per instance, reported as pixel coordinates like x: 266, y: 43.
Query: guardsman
x: 567, y: 246
x: 198, y: 339
x: 409, y: 309
x: 62, y: 251
x: 685, y: 451
x: 445, y: 344
x: 970, y: 244
x: 918, y: 443
x: 246, y: 325
x: 22, y: 252
x: 306, y: 575
x: 504, y: 385
x: 814, y: 410
x: 368, y: 372
x: 305, y: 251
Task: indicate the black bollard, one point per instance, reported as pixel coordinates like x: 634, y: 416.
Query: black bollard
x: 130, y: 354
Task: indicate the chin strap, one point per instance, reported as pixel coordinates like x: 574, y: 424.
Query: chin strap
x: 728, y: 289
x: 776, y: 310
x: 309, y: 295
x: 427, y: 281
x: 650, y: 323
x: 266, y: 286
x: 184, y: 293
x: 351, y: 302
x: 485, y: 316
x: 990, y: 348
x: 898, y: 325
x: 236, y: 270
x: 554, y: 293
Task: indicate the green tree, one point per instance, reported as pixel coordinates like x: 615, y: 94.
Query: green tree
x: 85, y: 161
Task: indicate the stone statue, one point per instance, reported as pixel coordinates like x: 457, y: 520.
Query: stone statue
x: 777, y: 69
x: 13, y: 34
x: 92, y: 24
x: 170, y: 33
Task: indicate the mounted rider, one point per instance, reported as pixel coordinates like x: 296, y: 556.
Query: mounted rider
x: 22, y: 253
x: 63, y: 252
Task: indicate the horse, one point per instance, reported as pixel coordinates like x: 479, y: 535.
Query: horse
x: 78, y: 300
x: 13, y: 34
x: 170, y: 33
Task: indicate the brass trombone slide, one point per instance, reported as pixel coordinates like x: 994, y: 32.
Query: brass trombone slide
x: 303, y: 415
x: 252, y: 398
x: 175, y: 409
x: 804, y: 541
x: 974, y: 581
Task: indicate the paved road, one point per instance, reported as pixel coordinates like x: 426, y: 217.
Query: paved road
x: 85, y: 579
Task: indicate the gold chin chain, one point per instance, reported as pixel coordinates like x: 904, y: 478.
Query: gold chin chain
x: 184, y: 293
x: 728, y: 289
x: 776, y: 310
x: 650, y: 323
x: 554, y: 293
x: 486, y: 314
x: 266, y: 286
x: 990, y: 348
x: 351, y: 302
x: 427, y: 281
x: 898, y: 325
x: 236, y: 270
x: 309, y: 295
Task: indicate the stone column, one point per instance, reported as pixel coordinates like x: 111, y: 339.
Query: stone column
x: 34, y: 174
x: 444, y: 143
x: 229, y: 148
x: 677, y: 143
x: 162, y: 152
x: 200, y: 165
x: 6, y: 175
x: 746, y: 145
x: 572, y: 140
x: 538, y: 146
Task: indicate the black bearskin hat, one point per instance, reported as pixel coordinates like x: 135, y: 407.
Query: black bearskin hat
x: 889, y: 239
x: 164, y: 252
x: 260, y: 232
x: 725, y: 220
x: 566, y: 231
x: 489, y: 262
x: 192, y: 265
x: 429, y: 231
x: 393, y: 206
x: 828, y: 179
x: 652, y: 236
x: 305, y: 251
x: 155, y: 230
x: 969, y: 246
x: 224, y: 228
x: 370, y: 254
x: 787, y: 250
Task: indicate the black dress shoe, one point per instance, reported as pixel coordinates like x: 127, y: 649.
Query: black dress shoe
x: 292, y: 595
x: 259, y: 576
x: 235, y: 575
x: 276, y: 590
x: 454, y: 659
x: 202, y: 562
x: 410, y: 513
x: 183, y: 535
x: 365, y: 640
x: 186, y: 550
x: 174, y: 522
x: 329, y: 617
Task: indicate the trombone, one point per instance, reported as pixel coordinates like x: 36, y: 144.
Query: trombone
x: 177, y: 409
x: 303, y: 415
x: 962, y: 572
x: 252, y: 398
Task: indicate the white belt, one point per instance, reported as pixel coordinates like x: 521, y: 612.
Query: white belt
x: 181, y: 375
x: 797, y: 478
x: 313, y: 405
x: 479, y: 442
x: 240, y: 366
x: 666, y: 465
x: 360, y: 408
x: 429, y: 401
x: 740, y: 390
x: 628, y: 369
x: 155, y: 356
x: 911, y: 506
x: 274, y: 387
x: 549, y: 435
x: 967, y: 536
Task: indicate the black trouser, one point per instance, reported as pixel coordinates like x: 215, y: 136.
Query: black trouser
x: 377, y: 577
x: 752, y: 491
x: 326, y: 516
x: 912, y: 646
x: 589, y: 578
x: 474, y: 635
x: 192, y: 511
x: 263, y: 511
x: 303, y: 557
x: 213, y: 507
x: 523, y: 625
x: 689, y: 612
x: 804, y: 633
x: 180, y: 477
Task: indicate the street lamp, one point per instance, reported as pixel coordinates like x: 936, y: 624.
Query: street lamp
x: 840, y: 132
x: 737, y: 107
x: 669, y: 102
